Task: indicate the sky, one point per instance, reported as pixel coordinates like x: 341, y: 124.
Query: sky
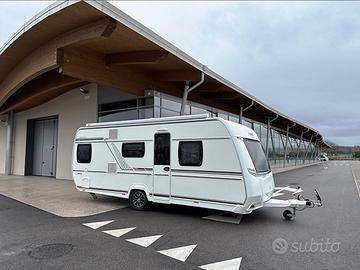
x: 301, y: 58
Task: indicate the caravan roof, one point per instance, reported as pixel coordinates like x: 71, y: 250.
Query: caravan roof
x: 152, y: 121
x: 232, y: 127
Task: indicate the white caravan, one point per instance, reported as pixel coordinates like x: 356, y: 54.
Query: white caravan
x: 188, y: 160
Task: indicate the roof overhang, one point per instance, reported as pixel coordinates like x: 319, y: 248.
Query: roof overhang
x: 72, y: 43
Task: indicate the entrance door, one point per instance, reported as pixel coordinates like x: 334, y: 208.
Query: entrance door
x: 44, y: 154
x: 162, y: 166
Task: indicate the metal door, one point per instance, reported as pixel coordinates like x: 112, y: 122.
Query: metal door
x: 38, y: 148
x: 162, y: 169
x: 45, y: 138
x: 49, y: 147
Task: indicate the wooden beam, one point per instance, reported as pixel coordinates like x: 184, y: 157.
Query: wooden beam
x: 45, y: 97
x: 136, y: 57
x: 39, y: 89
x: 197, y: 97
x: 219, y: 95
x: 90, y: 66
x: 240, y: 101
x: 210, y: 87
x: 44, y: 58
x: 177, y: 75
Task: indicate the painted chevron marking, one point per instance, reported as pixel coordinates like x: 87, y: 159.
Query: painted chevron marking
x: 96, y: 225
x: 119, y: 232
x: 233, y: 264
x: 144, y: 241
x: 180, y: 253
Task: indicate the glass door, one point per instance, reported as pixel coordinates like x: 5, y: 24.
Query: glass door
x: 162, y: 169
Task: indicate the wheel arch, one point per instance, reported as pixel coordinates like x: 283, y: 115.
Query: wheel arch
x: 139, y: 187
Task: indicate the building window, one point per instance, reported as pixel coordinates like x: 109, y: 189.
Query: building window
x: 133, y: 150
x: 190, y: 153
x: 146, y: 113
x: 130, y: 114
x: 116, y: 105
x: 162, y: 149
x: 83, y: 153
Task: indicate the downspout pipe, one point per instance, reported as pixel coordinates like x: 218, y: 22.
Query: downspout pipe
x: 187, y: 90
x: 242, y: 110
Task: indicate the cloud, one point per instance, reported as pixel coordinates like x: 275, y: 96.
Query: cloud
x: 302, y: 58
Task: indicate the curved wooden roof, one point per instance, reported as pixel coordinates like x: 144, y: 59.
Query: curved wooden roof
x: 72, y: 43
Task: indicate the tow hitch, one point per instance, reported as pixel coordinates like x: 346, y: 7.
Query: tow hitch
x: 298, y: 203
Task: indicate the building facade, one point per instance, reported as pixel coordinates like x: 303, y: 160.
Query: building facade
x: 93, y: 63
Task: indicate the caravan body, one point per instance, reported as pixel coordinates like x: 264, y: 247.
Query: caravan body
x: 188, y: 160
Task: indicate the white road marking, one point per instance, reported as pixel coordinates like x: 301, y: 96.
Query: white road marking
x: 325, y: 167
x: 233, y: 264
x: 119, y: 232
x: 356, y: 181
x: 96, y: 225
x: 341, y: 164
x: 144, y: 241
x: 180, y: 253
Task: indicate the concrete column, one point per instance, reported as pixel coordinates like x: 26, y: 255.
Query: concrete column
x: 267, y: 138
x: 184, y: 99
x: 9, y: 144
x: 273, y: 144
x: 286, y: 144
x: 241, y: 114
x: 298, y: 147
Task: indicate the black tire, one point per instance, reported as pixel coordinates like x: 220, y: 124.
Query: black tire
x: 287, y: 214
x: 138, y: 200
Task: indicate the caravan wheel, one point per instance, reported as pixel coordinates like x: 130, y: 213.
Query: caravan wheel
x: 138, y: 200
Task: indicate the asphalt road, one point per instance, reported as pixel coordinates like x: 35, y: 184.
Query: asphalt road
x: 319, y: 238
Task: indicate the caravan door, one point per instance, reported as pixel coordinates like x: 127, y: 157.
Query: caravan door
x: 162, y: 170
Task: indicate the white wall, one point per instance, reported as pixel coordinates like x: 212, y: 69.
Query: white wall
x: 73, y: 110
x: 3, y: 132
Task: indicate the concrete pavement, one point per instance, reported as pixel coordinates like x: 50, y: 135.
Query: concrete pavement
x: 56, y: 196
x: 34, y: 239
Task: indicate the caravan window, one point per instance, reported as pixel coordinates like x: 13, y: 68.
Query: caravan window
x: 134, y: 150
x: 83, y: 153
x: 257, y: 155
x: 190, y: 153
